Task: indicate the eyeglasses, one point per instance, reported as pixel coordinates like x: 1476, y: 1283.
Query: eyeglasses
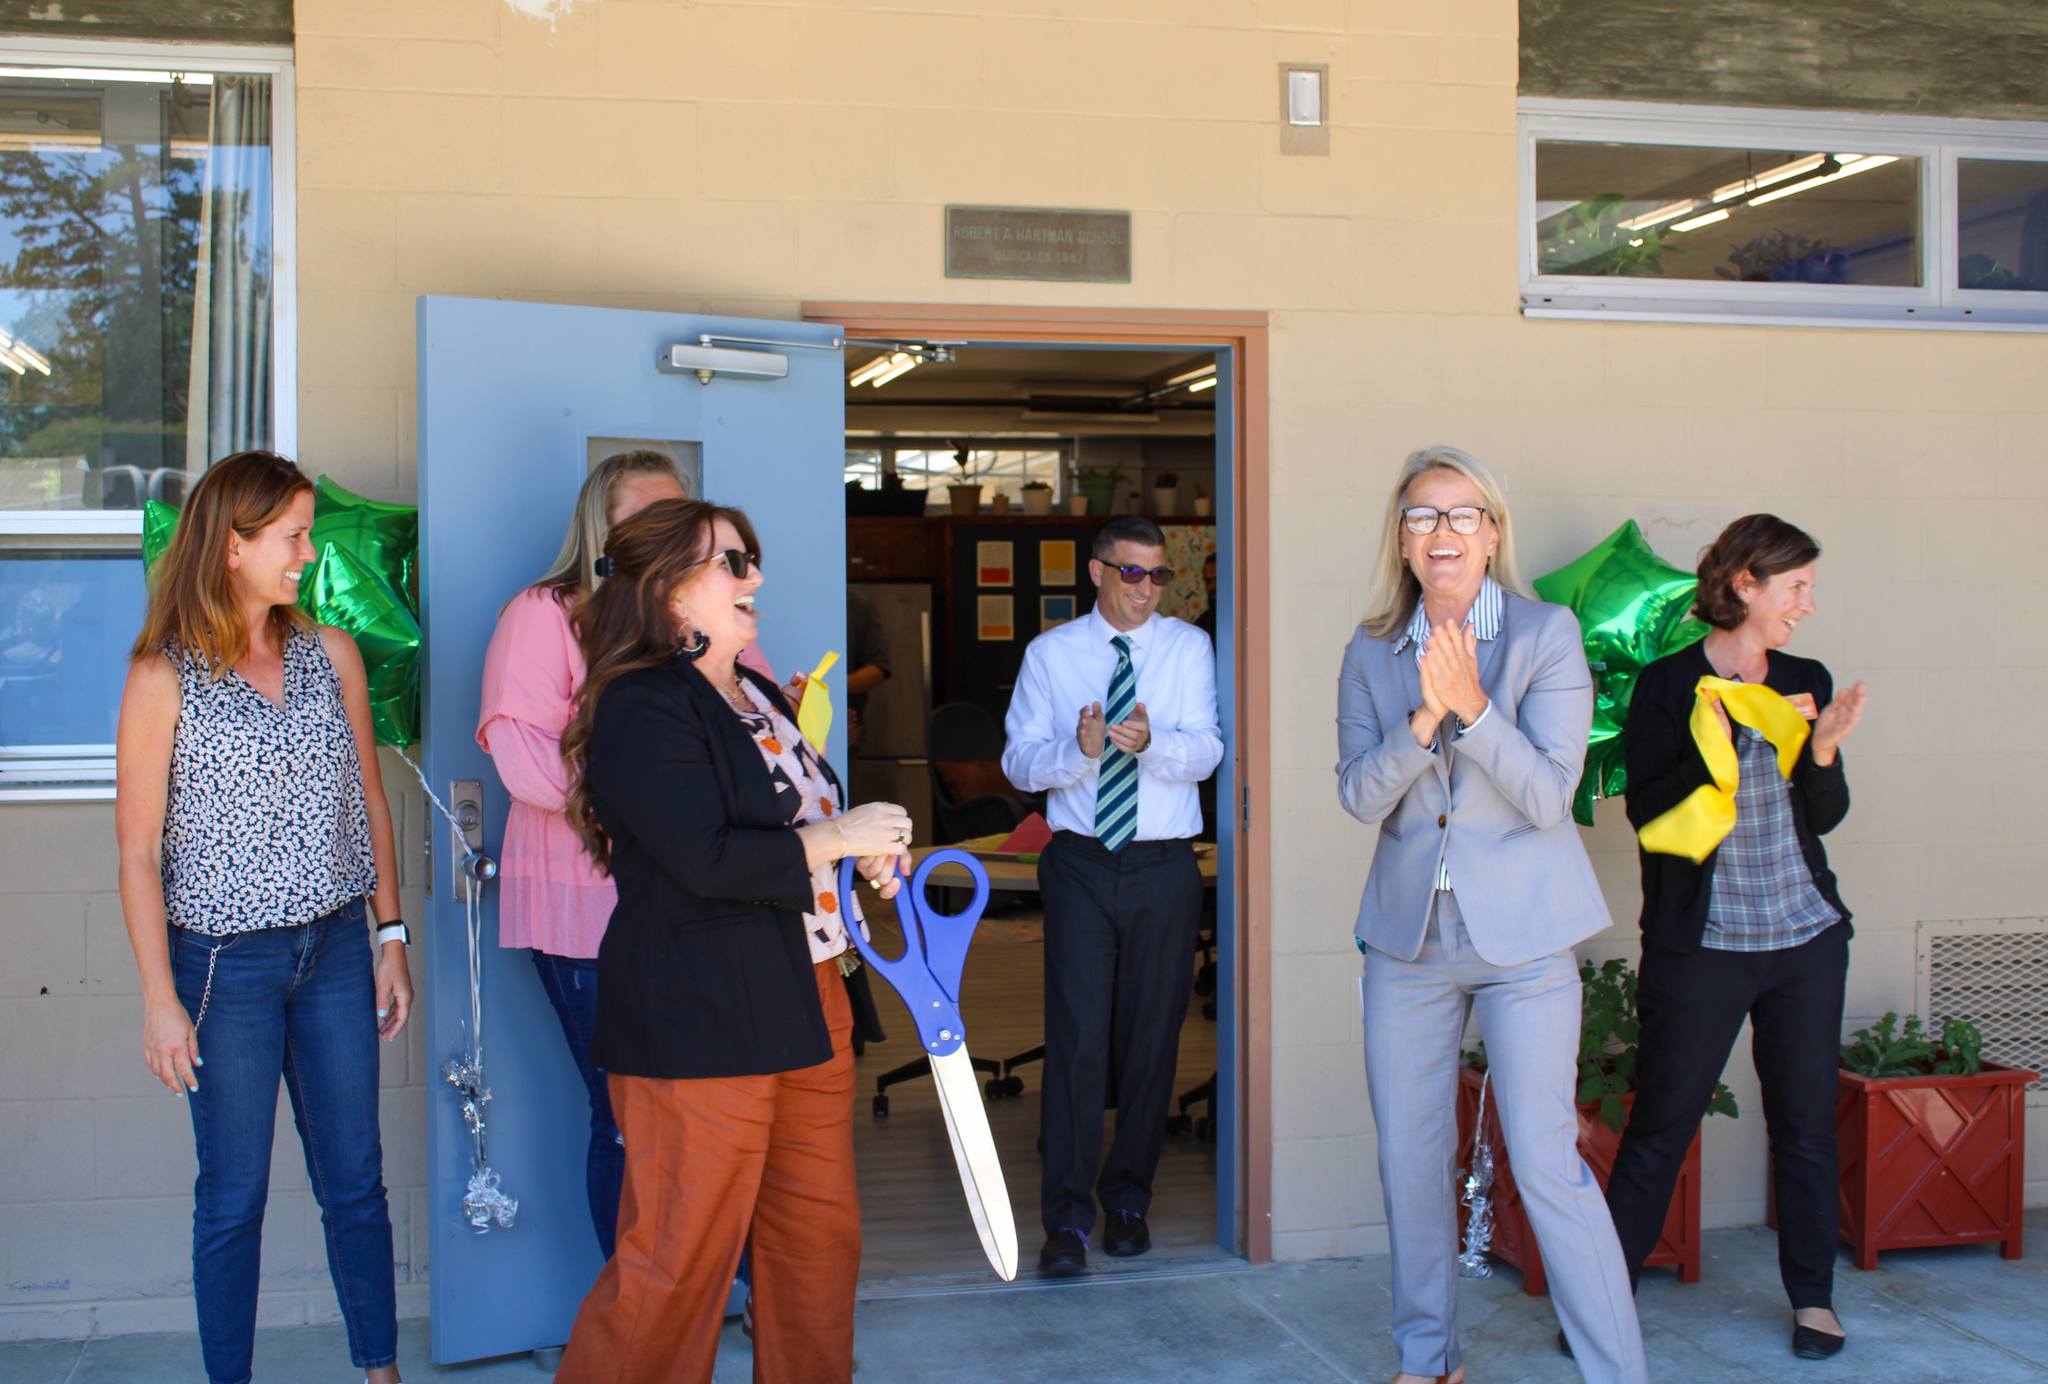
x: 1424, y: 519
x: 737, y: 561
x: 1133, y: 575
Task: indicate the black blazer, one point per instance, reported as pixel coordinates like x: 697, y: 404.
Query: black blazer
x: 704, y: 970
x: 1665, y: 766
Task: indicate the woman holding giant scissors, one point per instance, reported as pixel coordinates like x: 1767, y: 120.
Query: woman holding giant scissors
x: 1462, y: 711
x: 721, y: 1017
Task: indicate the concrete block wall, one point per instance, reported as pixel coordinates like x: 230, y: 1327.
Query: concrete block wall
x: 744, y: 158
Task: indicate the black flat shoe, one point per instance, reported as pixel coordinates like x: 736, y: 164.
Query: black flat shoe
x: 1065, y: 1254
x: 1126, y: 1235
x: 1809, y: 1344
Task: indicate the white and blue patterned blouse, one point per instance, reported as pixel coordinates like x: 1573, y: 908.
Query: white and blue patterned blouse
x: 265, y: 823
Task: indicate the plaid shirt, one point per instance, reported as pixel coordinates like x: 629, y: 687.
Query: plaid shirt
x: 1763, y: 895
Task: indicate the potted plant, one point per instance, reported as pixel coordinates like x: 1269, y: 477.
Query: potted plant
x: 1204, y: 506
x: 1077, y: 504
x: 1607, y: 1064
x: 1098, y: 484
x: 1037, y: 497
x: 1933, y: 1140
x: 964, y: 494
x: 1166, y: 494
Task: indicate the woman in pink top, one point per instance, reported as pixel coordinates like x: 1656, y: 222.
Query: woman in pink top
x: 551, y: 899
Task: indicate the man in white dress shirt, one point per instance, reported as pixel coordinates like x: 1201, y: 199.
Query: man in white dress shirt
x: 1114, y: 717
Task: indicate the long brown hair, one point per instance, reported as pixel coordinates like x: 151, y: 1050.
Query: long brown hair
x: 191, y: 593
x: 625, y: 625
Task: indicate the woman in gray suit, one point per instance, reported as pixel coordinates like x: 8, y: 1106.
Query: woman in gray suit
x: 1462, y: 712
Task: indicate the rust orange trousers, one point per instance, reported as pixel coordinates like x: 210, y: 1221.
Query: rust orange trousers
x: 706, y: 1161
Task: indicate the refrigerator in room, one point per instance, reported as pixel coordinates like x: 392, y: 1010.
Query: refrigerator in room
x: 890, y: 765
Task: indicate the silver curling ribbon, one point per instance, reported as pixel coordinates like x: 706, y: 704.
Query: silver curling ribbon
x: 1476, y: 1196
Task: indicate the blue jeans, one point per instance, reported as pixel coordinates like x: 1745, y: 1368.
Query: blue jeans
x: 297, y: 1002
x: 571, y: 983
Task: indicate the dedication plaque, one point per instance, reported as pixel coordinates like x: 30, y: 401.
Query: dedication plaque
x: 1038, y: 243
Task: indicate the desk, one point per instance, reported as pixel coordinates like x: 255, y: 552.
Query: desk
x: 1009, y: 873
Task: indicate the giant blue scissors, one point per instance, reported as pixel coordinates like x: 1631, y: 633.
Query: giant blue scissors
x: 927, y: 976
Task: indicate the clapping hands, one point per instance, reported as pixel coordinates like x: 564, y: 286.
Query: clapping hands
x: 1835, y: 722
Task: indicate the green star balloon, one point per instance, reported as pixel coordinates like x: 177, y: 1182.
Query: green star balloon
x: 1633, y: 609
x: 341, y: 591
x: 159, y: 522
x: 385, y: 538
x: 364, y: 579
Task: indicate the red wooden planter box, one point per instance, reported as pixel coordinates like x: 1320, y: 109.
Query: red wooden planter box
x: 1514, y: 1240
x: 1932, y: 1160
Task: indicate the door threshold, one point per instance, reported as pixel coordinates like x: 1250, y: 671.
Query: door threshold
x: 1189, y: 1264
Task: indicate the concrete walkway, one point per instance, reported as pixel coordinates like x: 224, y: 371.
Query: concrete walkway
x: 1924, y: 1317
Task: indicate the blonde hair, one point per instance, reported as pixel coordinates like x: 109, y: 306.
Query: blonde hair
x: 1394, y: 588
x: 192, y: 605
x: 574, y: 573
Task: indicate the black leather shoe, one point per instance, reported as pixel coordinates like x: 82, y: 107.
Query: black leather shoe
x: 1126, y: 1235
x: 1564, y: 1346
x: 1810, y: 1344
x: 1065, y: 1254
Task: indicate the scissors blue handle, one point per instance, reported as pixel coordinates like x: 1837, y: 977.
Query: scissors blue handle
x: 927, y: 975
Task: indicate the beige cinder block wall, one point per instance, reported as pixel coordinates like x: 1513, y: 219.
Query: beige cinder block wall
x: 744, y: 158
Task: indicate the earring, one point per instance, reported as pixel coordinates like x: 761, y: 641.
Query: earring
x: 693, y: 648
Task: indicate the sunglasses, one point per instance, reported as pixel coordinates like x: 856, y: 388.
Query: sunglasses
x: 1133, y: 575
x: 1424, y: 519
x: 737, y: 561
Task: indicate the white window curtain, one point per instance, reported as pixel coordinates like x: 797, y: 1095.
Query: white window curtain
x: 230, y: 409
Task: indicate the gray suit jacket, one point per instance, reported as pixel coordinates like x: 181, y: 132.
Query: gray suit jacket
x: 1494, y: 803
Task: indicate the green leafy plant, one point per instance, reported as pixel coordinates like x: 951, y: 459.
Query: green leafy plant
x: 1608, y: 1034
x: 1588, y: 238
x: 1036, y: 485
x: 1889, y: 1048
x: 1785, y: 257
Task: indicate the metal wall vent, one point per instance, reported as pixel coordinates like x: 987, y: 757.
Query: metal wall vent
x: 1993, y: 972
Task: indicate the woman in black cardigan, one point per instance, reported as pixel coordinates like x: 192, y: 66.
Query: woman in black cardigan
x: 1757, y: 930
x: 722, y: 1020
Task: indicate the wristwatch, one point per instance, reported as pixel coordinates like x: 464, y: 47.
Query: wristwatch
x: 394, y: 931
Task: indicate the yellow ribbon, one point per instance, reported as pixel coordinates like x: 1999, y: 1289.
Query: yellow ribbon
x: 814, y: 713
x: 1697, y: 826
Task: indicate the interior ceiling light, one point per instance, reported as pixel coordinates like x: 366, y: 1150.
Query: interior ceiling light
x: 1188, y: 376
x: 873, y: 368
x: 901, y: 363
x: 1743, y: 186
x: 1862, y: 164
x: 20, y: 357
x: 108, y: 74
x: 1660, y: 215
x: 1199, y: 385
x: 1698, y: 221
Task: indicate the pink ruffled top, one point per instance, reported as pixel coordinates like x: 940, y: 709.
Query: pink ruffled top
x: 551, y: 897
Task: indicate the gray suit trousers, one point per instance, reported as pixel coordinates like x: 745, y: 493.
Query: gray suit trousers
x: 1415, y: 1015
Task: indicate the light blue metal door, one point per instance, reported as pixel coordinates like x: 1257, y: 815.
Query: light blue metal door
x: 514, y: 399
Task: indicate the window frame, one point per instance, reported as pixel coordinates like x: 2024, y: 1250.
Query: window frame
x: 1937, y: 143
x: 74, y: 773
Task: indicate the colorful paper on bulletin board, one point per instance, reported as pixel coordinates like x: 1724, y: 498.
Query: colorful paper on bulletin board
x: 995, y: 562
x: 1633, y: 609
x: 1054, y: 611
x: 1056, y: 562
x: 995, y: 619
x: 814, y: 714
x: 1188, y: 546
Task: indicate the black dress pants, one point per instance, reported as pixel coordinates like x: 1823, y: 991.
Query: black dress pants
x: 1692, y: 1005
x: 1119, y: 964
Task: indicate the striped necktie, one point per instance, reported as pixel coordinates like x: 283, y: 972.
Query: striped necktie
x: 1116, y: 790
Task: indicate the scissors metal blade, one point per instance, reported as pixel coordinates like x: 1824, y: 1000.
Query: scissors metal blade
x: 974, y: 1150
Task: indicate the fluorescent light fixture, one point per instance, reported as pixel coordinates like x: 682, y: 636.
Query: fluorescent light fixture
x: 29, y: 141
x: 8, y: 360
x: 1660, y: 215
x: 1304, y: 96
x: 32, y: 358
x: 107, y: 74
x: 1743, y: 186
x: 1698, y: 221
x: 1187, y: 376
x: 1862, y: 165
x: 1199, y: 385
x: 871, y: 369
x: 902, y: 363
